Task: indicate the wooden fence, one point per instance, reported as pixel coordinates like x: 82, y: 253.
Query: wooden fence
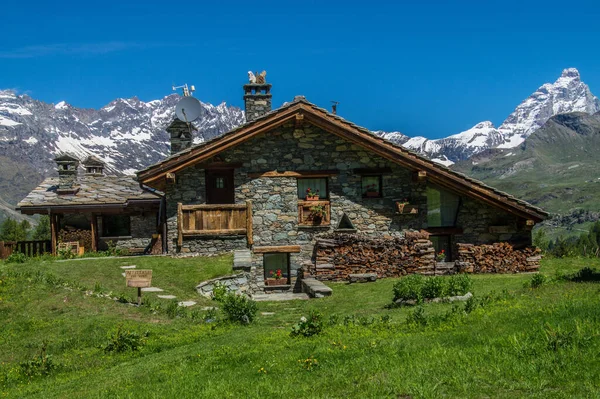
x: 214, y: 220
x: 29, y: 248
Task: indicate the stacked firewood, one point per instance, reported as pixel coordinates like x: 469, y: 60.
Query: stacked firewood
x: 338, y: 256
x: 84, y: 237
x: 497, y: 258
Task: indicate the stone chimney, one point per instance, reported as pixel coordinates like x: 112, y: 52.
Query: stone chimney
x: 180, y: 134
x: 67, y: 173
x: 257, y: 99
x: 93, y: 166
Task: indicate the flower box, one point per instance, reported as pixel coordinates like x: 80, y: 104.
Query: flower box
x: 372, y: 194
x: 312, y: 197
x: 407, y: 208
x: 276, y: 281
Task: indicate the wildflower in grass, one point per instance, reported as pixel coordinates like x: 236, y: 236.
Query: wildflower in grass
x: 262, y: 370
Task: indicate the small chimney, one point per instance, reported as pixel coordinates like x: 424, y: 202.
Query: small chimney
x: 180, y: 134
x: 334, y: 105
x: 93, y: 166
x: 257, y: 96
x: 67, y: 173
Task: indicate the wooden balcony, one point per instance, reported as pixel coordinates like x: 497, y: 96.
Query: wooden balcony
x: 214, y: 220
x: 307, y: 217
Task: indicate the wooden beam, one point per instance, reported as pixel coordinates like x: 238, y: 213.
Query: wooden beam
x: 249, y: 226
x: 299, y: 121
x: 94, y: 228
x: 179, y: 225
x: 299, y: 173
x: 277, y: 249
x: 53, y: 232
x: 212, y: 207
x: 221, y: 165
x: 373, y: 171
x: 214, y: 232
x: 440, y: 231
x: 419, y: 175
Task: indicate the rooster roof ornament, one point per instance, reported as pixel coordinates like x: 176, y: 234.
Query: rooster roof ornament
x: 258, y: 78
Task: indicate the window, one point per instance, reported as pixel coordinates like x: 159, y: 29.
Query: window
x: 116, y: 226
x: 219, y: 182
x: 274, y: 262
x: 316, y: 185
x: 442, y: 243
x: 371, y: 186
x: 442, y: 207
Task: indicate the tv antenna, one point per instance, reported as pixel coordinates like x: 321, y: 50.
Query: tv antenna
x: 187, y: 92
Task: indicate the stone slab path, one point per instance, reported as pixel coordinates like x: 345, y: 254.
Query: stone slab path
x: 152, y: 289
x: 128, y: 267
x: 186, y: 304
x: 166, y: 296
x: 280, y: 297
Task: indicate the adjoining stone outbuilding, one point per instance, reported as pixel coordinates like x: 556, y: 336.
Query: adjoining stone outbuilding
x: 97, y: 210
x: 277, y: 183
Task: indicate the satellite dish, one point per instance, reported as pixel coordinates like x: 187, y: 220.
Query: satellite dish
x: 188, y: 109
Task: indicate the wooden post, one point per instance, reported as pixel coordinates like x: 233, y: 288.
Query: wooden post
x: 53, y: 233
x: 94, y: 232
x: 249, y: 232
x: 179, y: 225
x: 139, y: 296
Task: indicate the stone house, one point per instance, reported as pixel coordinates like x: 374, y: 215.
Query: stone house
x: 97, y: 210
x: 252, y: 187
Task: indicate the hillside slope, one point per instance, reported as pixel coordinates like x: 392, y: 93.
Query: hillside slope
x: 555, y: 168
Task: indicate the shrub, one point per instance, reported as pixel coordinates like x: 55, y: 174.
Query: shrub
x: 219, y: 291
x: 459, y: 284
x: 40, y: 365
x: 409, y: 288
x: 308, y: 326
x: 124, y: 340
x: 433, y: 287
x: 536, y: 281
x: 16, y: 257
x: 238, y: 308
x: 417, y: 317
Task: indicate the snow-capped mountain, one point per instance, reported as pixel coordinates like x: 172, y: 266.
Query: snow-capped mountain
x: 127, y: 134
x: 567, y: 94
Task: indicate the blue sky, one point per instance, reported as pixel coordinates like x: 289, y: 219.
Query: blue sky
x: 430, y: 68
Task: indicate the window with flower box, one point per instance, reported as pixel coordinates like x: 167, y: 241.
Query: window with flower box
x: 371, y: 186
x: 313, y: 202
x: 277, y: 268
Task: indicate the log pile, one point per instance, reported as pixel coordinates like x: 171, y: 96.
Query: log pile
x: 84, y: 237
x: 338, y: 256
x: 497, y: 258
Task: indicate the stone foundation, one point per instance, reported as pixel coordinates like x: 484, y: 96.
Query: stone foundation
x: 497, y: 258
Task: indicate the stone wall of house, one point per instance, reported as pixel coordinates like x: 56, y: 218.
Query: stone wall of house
x: 274, y: 199
x: 484, y: 224
x: 143, y: 226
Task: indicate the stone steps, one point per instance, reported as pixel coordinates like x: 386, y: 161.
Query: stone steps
x: 242, y: 260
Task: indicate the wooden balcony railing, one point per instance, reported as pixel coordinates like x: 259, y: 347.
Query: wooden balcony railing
x: 214, y: 220
x: 314, y: 213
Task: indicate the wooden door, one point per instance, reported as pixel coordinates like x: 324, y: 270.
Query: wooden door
x: 219, y: 186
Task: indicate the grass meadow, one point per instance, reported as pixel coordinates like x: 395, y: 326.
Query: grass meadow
x: 57, y: 318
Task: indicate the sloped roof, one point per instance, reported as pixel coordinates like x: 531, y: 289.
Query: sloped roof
x: 99, y: 191
x: 301, y: 109
x: 93, y: 161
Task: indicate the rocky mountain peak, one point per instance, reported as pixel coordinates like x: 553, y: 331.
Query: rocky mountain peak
x: 570, y: 73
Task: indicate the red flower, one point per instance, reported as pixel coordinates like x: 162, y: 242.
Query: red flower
x: 443, y: 251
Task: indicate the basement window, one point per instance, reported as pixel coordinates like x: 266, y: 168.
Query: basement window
x: 275, y: 262
x: 115, y: 226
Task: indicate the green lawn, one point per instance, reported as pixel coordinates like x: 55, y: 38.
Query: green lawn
x: 527, y: 343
